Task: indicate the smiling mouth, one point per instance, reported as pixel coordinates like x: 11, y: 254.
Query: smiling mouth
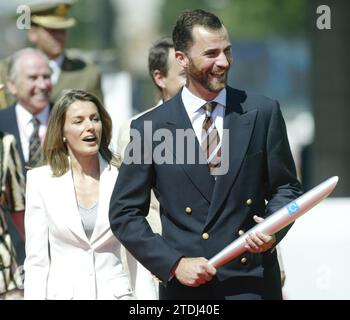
x: 42, y: 95
x: 90, y: 139
x: 218, y: 75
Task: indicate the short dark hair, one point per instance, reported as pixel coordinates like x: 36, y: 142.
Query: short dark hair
x: 158, y: 56
x: 54, y: 150
x: 182, y: 32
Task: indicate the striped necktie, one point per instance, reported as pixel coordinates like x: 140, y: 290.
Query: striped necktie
x: 34, y: 145
x: 210, y: 143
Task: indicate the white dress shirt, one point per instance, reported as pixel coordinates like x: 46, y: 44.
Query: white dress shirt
x: 26, y: 127
x: 196, y: 113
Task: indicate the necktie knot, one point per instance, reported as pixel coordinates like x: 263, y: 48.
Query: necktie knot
x: 209, y: 107
x: 35, y: 123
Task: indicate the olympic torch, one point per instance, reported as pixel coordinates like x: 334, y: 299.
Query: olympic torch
x: 278, y: 220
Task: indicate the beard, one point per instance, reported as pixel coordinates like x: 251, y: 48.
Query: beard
x: 210, y: 83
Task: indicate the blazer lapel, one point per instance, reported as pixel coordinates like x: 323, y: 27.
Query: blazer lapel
x: 70, y: 212
x: 199, y: 174
x: 108, y: 177
x: 240, y: 126
x: 65, y: 79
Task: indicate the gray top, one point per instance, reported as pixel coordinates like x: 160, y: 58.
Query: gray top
x: 88, y: 218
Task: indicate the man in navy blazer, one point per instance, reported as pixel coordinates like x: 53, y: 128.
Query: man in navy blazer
x: 204, y: 208
x: 29, y: 81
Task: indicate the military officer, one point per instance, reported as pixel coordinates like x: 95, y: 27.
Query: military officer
x: 50, y: 21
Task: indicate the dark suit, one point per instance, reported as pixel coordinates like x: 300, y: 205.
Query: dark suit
x: 260, y: 167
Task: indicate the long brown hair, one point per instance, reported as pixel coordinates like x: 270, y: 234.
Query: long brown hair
x: 55, y: 152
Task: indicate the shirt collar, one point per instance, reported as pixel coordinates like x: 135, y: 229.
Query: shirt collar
x: 58, y: 61
x: 193, y: 103
x: 26, y: 116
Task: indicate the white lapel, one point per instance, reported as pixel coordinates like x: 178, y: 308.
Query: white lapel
x: 108, y: 176
x: 70, y: 212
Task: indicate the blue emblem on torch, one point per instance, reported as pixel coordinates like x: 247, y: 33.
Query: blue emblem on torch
x: 292, y: 208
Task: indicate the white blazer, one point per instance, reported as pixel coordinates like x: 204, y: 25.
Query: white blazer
x: 61, y: 262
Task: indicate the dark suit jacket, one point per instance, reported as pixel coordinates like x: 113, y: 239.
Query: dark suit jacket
x: 261, y: 168
x: 8, y: 123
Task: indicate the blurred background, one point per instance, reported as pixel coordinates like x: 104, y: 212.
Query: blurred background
x: 278, y: 51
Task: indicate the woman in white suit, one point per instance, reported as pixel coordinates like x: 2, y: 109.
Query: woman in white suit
x: 71, y: 252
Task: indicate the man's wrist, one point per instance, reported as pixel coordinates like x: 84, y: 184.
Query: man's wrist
x: 173, y: 269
